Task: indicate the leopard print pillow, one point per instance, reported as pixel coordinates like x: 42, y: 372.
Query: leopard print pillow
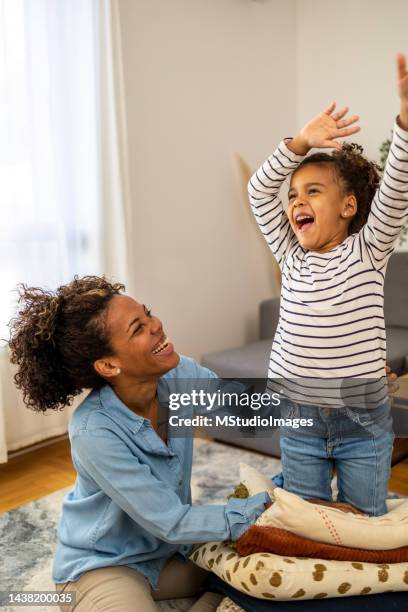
x: 269, y: 576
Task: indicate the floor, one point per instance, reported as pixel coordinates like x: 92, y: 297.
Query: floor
x: 35, y: 474
x: 40, y: 472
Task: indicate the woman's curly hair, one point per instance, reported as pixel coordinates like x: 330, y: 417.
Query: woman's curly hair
x: 357, y: 175
x: 56, y: 337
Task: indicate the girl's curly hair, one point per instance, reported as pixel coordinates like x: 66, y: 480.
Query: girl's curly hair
x: 357, y: 175
x: 56, y: 337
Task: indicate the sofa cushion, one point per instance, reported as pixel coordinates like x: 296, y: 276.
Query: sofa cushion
x: 268, y: 318
x: 397, y: 347
x: 396, y: 291
x: 250, y: 361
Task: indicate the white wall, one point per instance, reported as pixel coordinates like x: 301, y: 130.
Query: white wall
x: 346, y: 52
x: 203, y: 80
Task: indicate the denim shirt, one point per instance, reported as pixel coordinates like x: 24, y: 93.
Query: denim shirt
x: 131, y: 502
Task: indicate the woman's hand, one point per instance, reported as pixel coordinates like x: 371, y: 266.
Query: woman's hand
x: 322, y: 131
x: 402, y: 80
x: 393, y: 385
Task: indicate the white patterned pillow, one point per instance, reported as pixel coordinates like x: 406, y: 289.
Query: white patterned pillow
x: 332, y: 526
x: 269, y: 576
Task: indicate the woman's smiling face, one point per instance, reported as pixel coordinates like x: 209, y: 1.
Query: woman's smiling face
x: 141, y: 347
x: 319, y: 212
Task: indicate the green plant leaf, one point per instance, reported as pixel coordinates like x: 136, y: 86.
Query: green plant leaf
x: 384, y: 150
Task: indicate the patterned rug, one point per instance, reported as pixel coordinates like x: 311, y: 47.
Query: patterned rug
x: 28, y: 533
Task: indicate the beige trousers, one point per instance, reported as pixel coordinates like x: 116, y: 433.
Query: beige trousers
x: 122, y: 589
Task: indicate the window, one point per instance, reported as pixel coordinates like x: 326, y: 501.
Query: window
x: 50, y: 215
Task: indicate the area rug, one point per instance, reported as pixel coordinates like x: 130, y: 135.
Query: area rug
x: 28, y: 533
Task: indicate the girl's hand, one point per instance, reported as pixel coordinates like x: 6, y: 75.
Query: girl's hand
x: 402, y: 80
x: 321, y: 131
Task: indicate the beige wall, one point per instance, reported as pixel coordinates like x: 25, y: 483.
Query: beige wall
x: 203, y: 79
x: 346, y: 51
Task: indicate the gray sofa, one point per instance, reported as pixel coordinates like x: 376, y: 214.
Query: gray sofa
x: 251, y: 360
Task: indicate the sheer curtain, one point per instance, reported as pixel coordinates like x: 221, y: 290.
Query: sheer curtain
x: 63, y: 186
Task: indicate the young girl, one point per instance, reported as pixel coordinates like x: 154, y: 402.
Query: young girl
x: 332, y: 245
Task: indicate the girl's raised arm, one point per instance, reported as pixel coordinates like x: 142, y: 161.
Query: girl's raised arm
x: 265, y: 184
x: 263, y: 189
x: 390, y: 203
x: 402, y: 81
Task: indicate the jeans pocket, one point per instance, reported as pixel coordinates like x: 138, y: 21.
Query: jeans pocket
x: 376, y: 421
x: 289, y: 410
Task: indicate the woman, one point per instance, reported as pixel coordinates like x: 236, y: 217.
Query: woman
x: 127, y: 526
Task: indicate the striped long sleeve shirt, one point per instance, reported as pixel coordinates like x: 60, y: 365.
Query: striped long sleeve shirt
x: 331, y: 322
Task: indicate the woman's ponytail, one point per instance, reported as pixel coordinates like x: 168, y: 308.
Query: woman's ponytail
x: 56, y: 337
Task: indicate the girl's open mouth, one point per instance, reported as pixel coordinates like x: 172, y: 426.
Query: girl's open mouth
x: 304, y: 222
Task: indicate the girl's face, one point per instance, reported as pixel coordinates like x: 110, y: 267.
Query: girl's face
x: 319, y: 212
x: 141, y: 347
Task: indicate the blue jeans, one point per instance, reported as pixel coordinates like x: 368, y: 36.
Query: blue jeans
x: 359, y: 444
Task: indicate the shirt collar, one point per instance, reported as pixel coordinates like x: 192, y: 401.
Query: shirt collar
x: 111, y: 402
